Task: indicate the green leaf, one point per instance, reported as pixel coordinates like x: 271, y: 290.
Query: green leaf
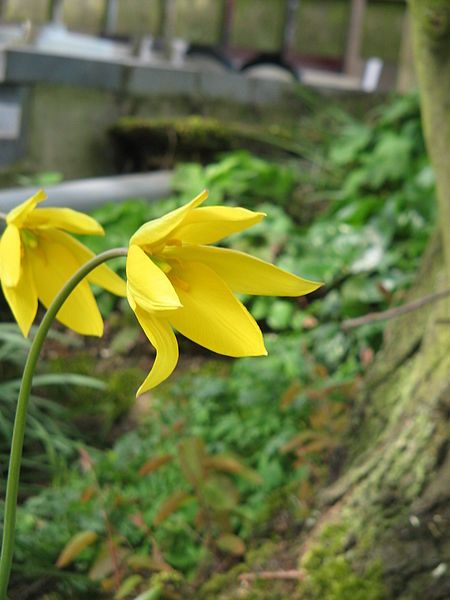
x: 191, y: 454
x: 170, y: 505
x: 154, y: 593
x: 280, y: 316
x: 232, y: 544
x: 220, y: 493
x: 74, y: 547
x: 128, y: 586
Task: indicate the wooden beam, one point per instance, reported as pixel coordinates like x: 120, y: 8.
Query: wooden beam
x: 3, y: 4
x: 406, y: 78
x: 226, y: 24
x: 166, y: 28
x: 352, y: 59
x: 289, y: 25
x: 55, y: 11
x: 109, y: 21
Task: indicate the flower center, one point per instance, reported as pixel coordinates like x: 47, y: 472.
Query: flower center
x: 177, y: 282
x: 161, y: 264
x: 167, y: 267
x: 29, y: 238
x: 174, y: 242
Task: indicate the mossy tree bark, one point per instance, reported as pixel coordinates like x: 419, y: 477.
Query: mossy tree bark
x: 384, y: 526
x: 431, y: 39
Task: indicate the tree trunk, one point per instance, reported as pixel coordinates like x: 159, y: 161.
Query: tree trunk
x: 384, y: 529
x: 384, y: 526
x: 431, y: 39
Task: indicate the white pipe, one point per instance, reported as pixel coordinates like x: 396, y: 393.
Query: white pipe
x: 86, y: 194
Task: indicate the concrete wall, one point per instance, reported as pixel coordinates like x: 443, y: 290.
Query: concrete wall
x: 72, y: 102
x: 66, y: 130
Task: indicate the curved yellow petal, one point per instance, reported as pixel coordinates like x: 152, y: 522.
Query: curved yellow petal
x: 209, y: 224
x: 244, y: 273
x: 53, y: 264
x: 131, y: 300
x: 102, y: 276
x: 63, y: 218
x: 211, y: 316
x: 10, y: 256
x: 161, y: 336
x: 147, y: 284
x: 22, y: 298
x: 157, y: 231
x: 18, y: 214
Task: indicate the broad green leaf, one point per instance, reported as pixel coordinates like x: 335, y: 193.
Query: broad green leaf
x: 280, y: 315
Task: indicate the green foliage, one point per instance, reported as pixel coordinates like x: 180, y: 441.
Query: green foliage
x: 49, y: 437
x: 238, y: 177
x: 92, y: 413
x: 365, y: 247
x: 40, y: 179
x: 220, y: 448
x: 194, y: 481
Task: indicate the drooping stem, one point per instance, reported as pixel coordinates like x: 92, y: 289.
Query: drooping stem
x: 12, y: 485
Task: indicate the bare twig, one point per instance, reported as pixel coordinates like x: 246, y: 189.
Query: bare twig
x: 292, y: 574
x: 394, y: 312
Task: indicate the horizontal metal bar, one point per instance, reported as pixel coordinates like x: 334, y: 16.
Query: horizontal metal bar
x: 86, y: 194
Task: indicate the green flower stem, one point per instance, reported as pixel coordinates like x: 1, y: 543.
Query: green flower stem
x: 12, y: 485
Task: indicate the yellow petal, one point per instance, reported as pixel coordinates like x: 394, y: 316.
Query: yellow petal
x: 22, y: 298
x: 53, y: 264
x: 147, y: 284
x: 160, y: 334
x: 10, y: 256
x: 131, y: 300
x: 102, y: 276
x: 246, y: 274
x: 210, y: 224
x: 18, y: 215
x: 211, y: 316
x: 63, y: 218
x: 157, y: 231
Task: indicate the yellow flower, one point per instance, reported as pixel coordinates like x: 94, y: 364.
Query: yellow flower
x: 177, y: 281
x: 37, y: 258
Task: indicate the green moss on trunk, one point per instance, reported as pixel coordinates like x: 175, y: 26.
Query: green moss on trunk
x: 331, y: 574
x: 383, y: 521
x: 431, y: 37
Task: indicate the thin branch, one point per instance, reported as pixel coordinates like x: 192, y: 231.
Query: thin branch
x: 392, y: 313
x: 292, y: 574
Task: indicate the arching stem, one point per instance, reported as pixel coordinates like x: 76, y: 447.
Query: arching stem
x: 12, y: 485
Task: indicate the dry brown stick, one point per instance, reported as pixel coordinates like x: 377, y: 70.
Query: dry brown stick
x: 292, y: 574
x: 394, y: 312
